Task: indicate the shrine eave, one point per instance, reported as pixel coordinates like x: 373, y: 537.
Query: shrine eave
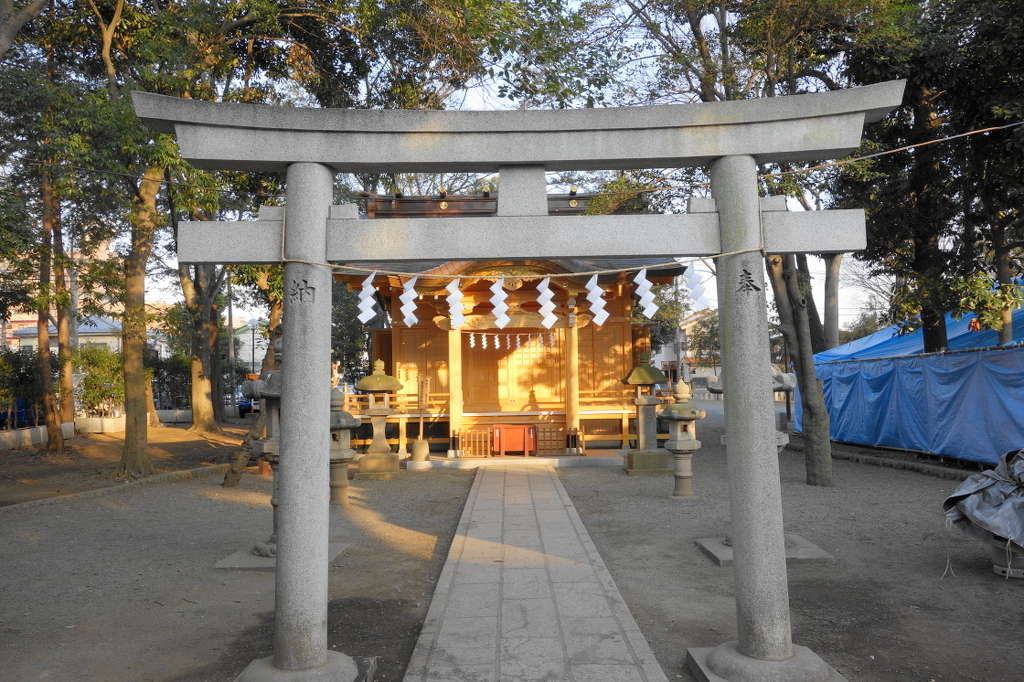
x: 434, y: 272
x: 267, y: 138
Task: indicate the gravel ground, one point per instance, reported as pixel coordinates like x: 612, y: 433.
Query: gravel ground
x: 882, y: 611
x: 122, y: 586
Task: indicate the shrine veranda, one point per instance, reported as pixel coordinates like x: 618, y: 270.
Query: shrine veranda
x: 311, y: 145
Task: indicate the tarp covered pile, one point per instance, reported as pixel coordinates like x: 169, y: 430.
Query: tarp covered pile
x: 992, y: 503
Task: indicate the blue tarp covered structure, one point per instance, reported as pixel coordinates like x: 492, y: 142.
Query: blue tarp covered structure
x: 881, y: 390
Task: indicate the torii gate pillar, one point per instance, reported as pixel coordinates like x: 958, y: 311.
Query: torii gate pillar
x: 764, y: 650
x: 300, y: 613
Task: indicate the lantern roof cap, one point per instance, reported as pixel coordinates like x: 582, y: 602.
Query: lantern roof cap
x: 644, y: 374
x: 379, y: 381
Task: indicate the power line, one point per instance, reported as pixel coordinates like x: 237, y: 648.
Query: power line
x: 632, y: 192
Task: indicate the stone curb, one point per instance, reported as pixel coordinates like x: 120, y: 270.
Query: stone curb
x: 168, y: 477
x: 891, y: 463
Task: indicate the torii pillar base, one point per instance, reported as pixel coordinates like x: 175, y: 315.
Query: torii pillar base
x: 338, y: 668
x: 725, y: 664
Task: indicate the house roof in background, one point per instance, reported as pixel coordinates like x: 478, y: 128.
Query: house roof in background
x: 98, y: 326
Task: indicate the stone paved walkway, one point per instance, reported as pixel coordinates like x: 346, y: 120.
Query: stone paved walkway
x: 524, y: 595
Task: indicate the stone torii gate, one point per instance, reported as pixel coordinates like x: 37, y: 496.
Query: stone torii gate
x: 312, y: 145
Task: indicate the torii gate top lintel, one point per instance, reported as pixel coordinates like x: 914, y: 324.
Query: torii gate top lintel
x: 268, y: 138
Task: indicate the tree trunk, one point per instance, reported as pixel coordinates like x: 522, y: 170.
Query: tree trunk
x: 152, y: 418
x: 198, y: 289
x: 1004, y: 278
x: 134, y: 458
x: 813, y: 318
x: 64, y: 327
x: 51, y: 217
x: 216, y: 369
x: 776, y: 277
x: 833, y: 264
x: 817, y: 442
x: 203, y: 418
x: 273, y: 332
x: 929, y: 263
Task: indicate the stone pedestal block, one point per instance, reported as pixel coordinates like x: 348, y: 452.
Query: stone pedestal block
x: 725, y: 663
x: 640, y: 462
x: 379, y: 444
x: 420, y: 450
x: 378, y: 467
x: 799, y: 550
x: 337, y: 668
x: 683, y: 472
x: 339, y: 480
x: 646, y: 422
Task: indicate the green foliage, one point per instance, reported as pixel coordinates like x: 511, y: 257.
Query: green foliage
x: 176, y: 326
x: 101, y: 388
x: 673, y: 306
x: 979, y: 294
x: 349, y: 340
x: 171, y: 380
x: 704, y: 340
x: 868, y: 322
x: 19, y: 378
x: 944, y: 216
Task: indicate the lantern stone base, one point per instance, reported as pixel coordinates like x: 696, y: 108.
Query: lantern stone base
x: 378, y: 467
x: 643, y: 462
x: 725, y: 664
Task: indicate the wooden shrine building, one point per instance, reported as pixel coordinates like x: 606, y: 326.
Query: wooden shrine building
x: 559, y: 381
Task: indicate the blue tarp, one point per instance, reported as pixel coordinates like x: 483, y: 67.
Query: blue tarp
x: 885, y: 343
x: 880, y: 390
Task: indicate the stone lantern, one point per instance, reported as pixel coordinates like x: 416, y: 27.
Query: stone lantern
x: 682, y: 440
x: 379, y: 462
x: 268, y: 390
x: 342, y: 453
x: 646, y: 458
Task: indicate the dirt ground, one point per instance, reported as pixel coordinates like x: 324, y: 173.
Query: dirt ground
x: 884, y: 610
x: 122, y: 586
x: 91, y: 461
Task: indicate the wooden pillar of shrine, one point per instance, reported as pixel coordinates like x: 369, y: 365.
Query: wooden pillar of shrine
x: 454, y: 385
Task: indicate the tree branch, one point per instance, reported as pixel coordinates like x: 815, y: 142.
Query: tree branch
x: 12, y: 21
x: 829, y: 82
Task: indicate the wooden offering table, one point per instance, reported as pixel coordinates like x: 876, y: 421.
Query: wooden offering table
x: 514, y: 438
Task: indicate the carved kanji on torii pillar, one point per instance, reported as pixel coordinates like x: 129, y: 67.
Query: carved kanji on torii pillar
x: 311, y: 145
